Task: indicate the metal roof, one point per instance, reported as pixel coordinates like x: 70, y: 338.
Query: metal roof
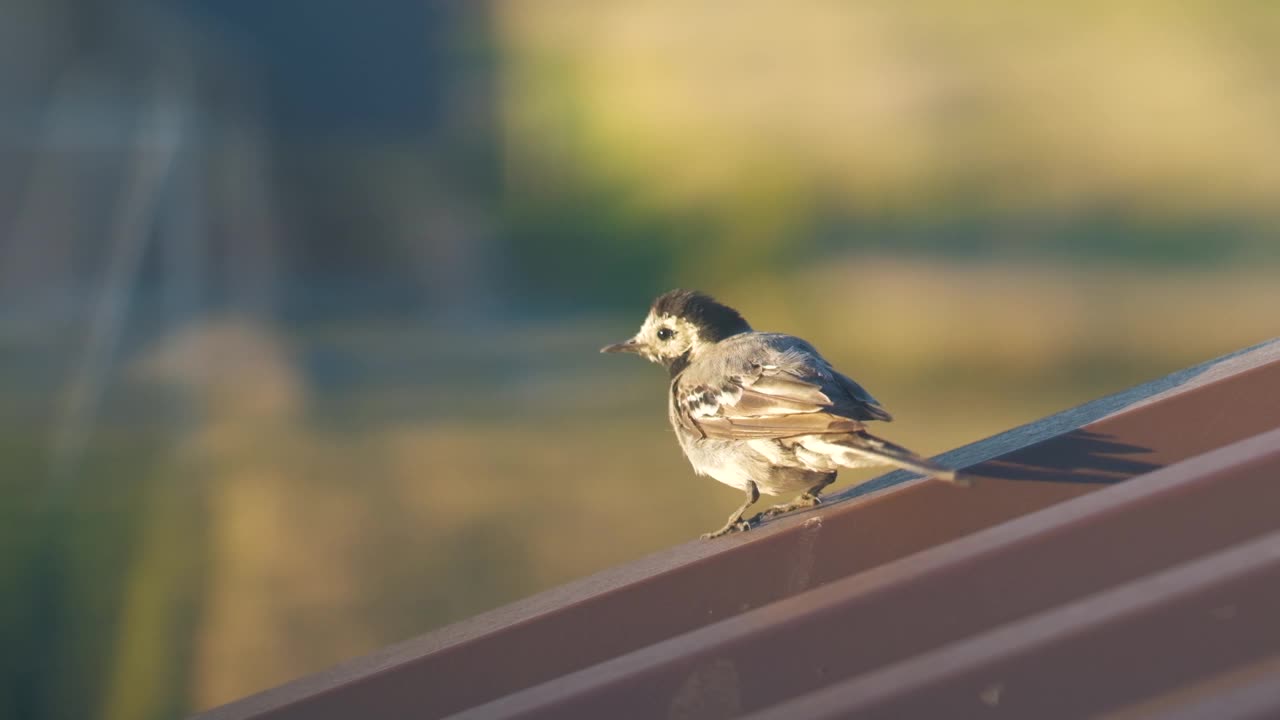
x: 1049, y: 589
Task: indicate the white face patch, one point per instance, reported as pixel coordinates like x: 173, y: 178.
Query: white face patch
x: 665, y: 337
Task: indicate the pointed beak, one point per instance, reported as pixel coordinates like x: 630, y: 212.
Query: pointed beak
x: 630, y: 346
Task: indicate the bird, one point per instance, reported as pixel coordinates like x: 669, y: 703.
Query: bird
x: 760, y: 411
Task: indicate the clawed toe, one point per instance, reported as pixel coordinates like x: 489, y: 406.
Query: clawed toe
x: 741, y: 525
x: 804, y: 501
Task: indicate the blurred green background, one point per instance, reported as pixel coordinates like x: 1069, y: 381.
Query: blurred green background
x: 300, y: 302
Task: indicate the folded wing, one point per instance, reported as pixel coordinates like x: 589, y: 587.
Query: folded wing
x: 776, y: 401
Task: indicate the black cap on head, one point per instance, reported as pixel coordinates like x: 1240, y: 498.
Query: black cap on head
x: 715, y: 321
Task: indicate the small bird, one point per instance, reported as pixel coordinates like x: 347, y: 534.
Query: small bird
x: 762, y: 412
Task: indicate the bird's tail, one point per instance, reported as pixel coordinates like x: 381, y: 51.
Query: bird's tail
x: 866, y: 445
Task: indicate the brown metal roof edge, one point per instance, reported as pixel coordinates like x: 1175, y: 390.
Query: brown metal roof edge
x: 1133, y: 398
x: 846, y: 539
x: 1259, y: 700
x: 752, y: 633
x: 610, y: 581
x: 1248, y: 690
x: 980, y: 655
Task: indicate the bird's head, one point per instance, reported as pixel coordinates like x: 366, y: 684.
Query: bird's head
x: 681, y: 324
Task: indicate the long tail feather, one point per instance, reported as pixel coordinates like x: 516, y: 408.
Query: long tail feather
x: 865, y: 443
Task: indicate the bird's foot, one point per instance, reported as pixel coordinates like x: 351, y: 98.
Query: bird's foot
x: 737, y: 525
x: 806, y: 500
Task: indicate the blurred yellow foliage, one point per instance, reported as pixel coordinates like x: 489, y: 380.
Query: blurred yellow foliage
x: 1170, y: 106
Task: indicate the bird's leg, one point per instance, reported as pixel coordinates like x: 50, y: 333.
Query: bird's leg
x: 736, y: 521
x: 808, y: 498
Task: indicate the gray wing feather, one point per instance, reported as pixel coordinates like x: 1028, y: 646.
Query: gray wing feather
x: 777, y: 388
x: 865, y: 402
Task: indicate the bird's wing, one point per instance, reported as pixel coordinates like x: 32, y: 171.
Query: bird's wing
x: 863, y: 406
x: 785, y: 399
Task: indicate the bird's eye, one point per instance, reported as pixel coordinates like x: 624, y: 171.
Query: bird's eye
x: 665, y: 333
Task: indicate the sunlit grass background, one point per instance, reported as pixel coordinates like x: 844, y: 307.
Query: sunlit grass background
x: 292, y: 369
